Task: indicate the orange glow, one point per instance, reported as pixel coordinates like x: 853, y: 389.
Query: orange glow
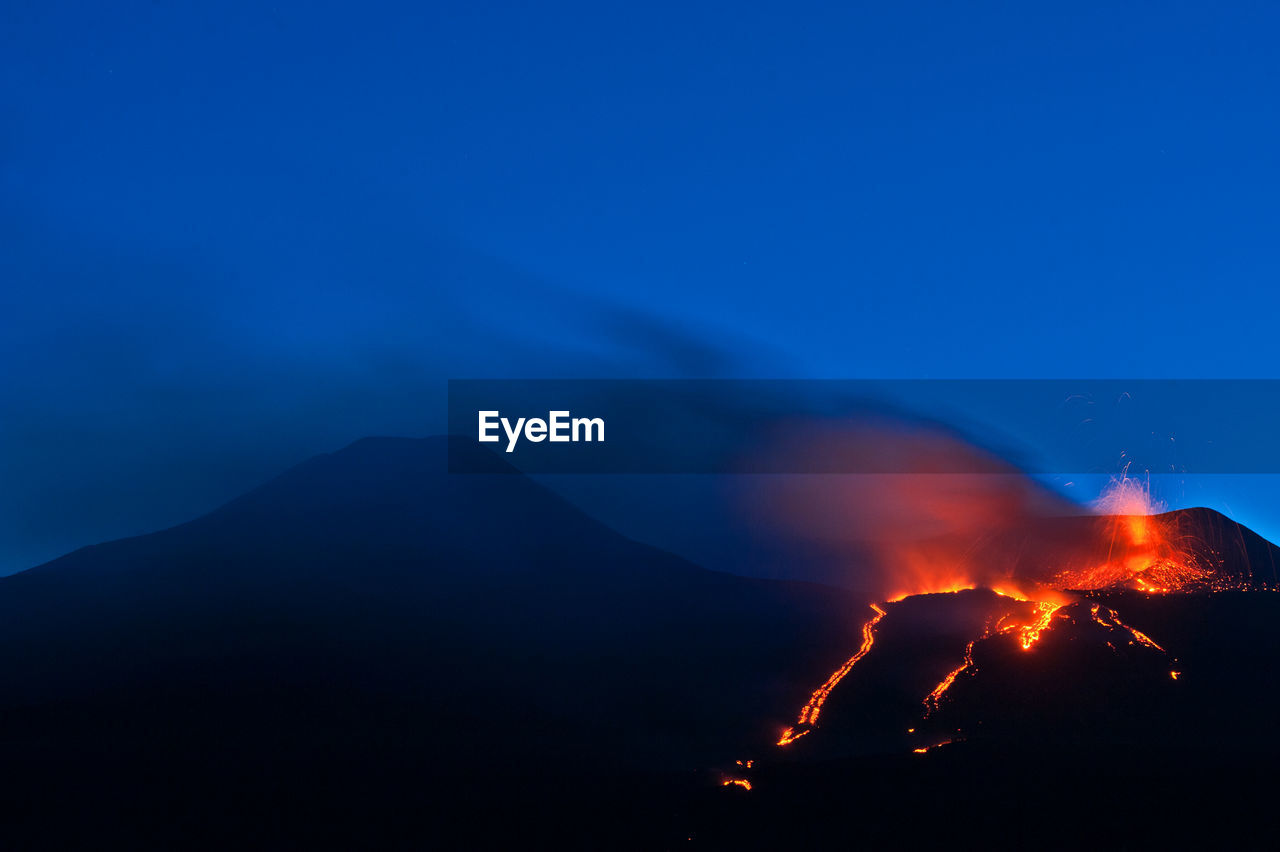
x: 944, y: 588
x: 736, y: 782
x: 1145, y: 551
x: 1174, y: 675
x: 1139, y: 529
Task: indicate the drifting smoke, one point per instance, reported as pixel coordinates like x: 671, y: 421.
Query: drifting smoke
x: 959, y: 517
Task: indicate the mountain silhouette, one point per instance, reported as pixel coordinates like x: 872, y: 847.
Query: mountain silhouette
x: 371, y: 644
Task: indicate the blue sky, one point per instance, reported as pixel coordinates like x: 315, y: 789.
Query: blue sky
x: 235, y: 235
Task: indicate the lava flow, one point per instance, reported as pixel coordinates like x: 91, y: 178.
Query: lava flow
x: 1129, y: 548
x: 809, y: 713
x: 1111, y: 619
x: 931, y: 700
x: 1027, y: 630
x: 1029, y: 633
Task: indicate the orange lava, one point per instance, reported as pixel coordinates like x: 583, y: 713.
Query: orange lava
x: 1111, y: 619
x: 931, y: 700
x: 1028, y: 634
x: 809, y: 713
x: 790, y: 735
x: 928, y: 748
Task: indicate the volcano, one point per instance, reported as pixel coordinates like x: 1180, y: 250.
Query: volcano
x: 368, y: 650
x: 1037, y: 573
x: 1109, y: 695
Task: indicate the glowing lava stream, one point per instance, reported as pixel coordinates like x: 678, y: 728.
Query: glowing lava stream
x: 1142, y: 638
x: 1044, y: 614
x: 1028, y: 635
x: 809, y: 713
x: 931, y: 700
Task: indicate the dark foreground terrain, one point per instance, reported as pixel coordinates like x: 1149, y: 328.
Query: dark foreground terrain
x: 369, y: 652
x: 1071, y: 744
x: 368, y: 648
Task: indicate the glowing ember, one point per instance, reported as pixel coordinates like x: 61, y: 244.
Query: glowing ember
x: 736, y: 782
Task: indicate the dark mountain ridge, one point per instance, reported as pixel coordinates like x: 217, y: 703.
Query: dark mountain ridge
x: 368, y: 627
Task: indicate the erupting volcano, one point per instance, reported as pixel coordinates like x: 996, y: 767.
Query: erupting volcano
x: 1083, y: 568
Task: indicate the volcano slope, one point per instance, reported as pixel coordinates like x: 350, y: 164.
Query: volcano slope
x: 1112, y: 716
x: 369, y: 650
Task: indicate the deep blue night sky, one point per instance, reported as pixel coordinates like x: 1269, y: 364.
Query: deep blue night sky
x: 236, y: 236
